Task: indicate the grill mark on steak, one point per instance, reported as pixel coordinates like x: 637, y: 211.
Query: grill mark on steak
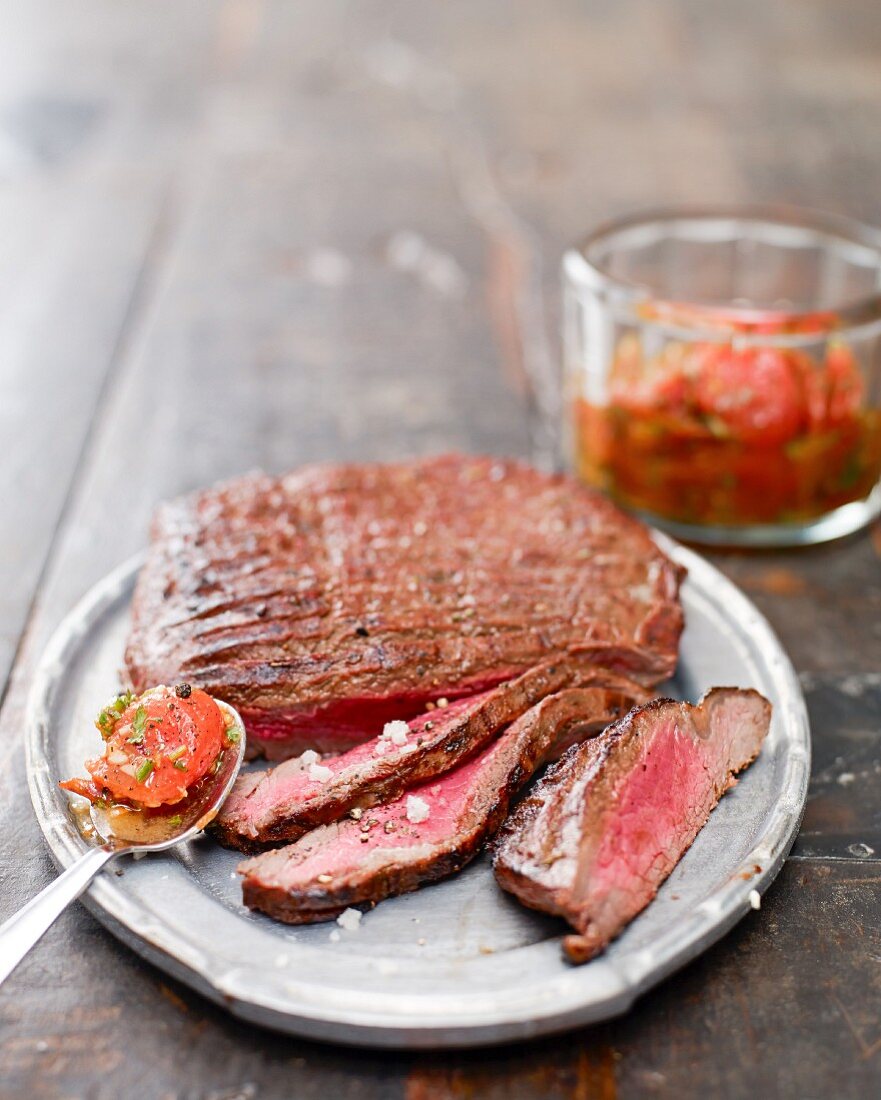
x: 605, y: 826
x: 474, y: 569
x: 281, y: 804
x: 352, y: 862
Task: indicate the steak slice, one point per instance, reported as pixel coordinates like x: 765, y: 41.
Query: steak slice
x: 611, y: 819
x: 389, y: 850
x: 279, y: 805
x: 332, y: 600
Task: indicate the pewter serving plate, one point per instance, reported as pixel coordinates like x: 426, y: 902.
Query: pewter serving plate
x: 454, y: 964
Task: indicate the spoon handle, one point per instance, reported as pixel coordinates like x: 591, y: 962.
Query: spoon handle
x: 19, y: 934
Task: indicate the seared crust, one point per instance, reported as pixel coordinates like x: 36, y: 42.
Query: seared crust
x: 316, y: 877
x: 328, y: 601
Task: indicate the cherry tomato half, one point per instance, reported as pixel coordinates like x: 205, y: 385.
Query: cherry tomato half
x: 755, y: 394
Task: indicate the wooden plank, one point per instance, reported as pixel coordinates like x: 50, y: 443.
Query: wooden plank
x: 56, y: 351
x: 843, y: 816
x: 825, y: 602
x: 84, y: 167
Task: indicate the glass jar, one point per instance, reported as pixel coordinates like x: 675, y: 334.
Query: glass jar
x: 723, y: 372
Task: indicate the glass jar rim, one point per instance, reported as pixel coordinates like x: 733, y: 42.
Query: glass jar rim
x: 745, y: 322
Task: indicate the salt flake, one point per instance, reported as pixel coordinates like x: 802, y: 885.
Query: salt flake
x: 349, y: 919
x: 417, y: 809
x: 319, y: 773
x: 396, y: 732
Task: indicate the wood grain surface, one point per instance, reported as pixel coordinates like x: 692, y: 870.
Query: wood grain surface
x: 246, y: 233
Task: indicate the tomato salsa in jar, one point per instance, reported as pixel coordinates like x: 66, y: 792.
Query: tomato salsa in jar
x: 722, y: 373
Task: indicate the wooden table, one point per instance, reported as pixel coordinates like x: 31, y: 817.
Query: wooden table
x: 242, y: 234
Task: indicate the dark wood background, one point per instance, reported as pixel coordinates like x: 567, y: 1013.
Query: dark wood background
x: 244, y: 233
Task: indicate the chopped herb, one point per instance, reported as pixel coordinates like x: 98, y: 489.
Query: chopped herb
x: 136, y: 740
x: 176, y: 820
x: 139, y: 720
x: 181, y: 765
x: 218, y: 763
x: 144, y: 770
x: 122, y: 701
x: 233, y: 735
x: 178, y: 752
x: 108, y: 715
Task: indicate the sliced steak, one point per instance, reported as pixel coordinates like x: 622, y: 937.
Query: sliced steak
x: 328, y: 602
x: 611, y: 819
x: 431, y: 831
x: 279, y: 805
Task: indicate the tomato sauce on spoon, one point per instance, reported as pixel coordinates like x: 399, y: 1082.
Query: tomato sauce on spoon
x: 157, y: 747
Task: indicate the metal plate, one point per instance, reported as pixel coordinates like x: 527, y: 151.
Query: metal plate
x: 458, y: 963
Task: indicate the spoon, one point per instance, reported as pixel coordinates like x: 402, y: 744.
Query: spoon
x: 115, y: 832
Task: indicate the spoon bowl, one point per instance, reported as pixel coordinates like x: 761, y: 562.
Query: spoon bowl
x: 155, y: 830
x: 118, y: 830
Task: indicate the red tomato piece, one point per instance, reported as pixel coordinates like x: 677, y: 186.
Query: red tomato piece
x: 156, y: 749
x: 756, y: 394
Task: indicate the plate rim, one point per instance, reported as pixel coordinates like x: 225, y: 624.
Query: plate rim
x: 168, y: 949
